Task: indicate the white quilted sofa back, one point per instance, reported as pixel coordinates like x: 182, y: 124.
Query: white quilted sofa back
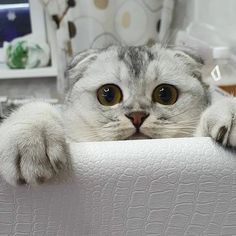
x: 171, y: 187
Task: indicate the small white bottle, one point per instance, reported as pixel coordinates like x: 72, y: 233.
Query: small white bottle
x: 224, y: 72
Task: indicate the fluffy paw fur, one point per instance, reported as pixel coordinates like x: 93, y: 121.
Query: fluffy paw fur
x: 219, y: 122
x: 32, y: 145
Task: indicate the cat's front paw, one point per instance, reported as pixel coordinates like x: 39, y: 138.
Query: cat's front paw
x: 219, y: 122
x: 32, y: 145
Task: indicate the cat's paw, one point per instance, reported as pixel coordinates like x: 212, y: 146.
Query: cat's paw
x: 32, y: 145
x: 219, y: 122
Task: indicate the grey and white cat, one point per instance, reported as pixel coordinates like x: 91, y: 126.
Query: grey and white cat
x: 117, y: 93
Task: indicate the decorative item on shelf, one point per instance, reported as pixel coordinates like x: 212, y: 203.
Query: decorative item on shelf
x: 225, y: 69
x: 26, y: 53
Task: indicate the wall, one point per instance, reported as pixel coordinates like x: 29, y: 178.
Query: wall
x: 218, y: 14
x: 209, y: 26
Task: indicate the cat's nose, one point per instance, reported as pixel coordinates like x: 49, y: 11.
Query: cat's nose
x: 137, y: 118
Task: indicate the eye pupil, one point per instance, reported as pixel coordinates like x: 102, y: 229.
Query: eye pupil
x: 165, y: 94
x: 108, y: 94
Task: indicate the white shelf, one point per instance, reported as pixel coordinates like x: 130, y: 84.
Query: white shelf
x: 28, y: 73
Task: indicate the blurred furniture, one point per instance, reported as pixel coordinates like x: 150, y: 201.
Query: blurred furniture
x: 231, y: 89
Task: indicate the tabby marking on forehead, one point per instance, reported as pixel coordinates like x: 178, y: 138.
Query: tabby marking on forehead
x: 135, y: 58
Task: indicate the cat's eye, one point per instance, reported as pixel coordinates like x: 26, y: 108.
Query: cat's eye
x: 165, y: 94
x: 109, y: 95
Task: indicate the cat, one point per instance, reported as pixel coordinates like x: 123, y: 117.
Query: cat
x: 117, y: 93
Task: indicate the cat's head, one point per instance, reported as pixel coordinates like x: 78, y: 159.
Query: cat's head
x: 134, y: 92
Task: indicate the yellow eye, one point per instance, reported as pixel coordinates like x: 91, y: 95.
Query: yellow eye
x: 109, y: 95
x: 165, y: 94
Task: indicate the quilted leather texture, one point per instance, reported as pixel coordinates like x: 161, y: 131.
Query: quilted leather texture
x: 173, y: 187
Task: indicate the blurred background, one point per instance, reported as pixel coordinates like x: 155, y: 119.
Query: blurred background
x: 39, y: 37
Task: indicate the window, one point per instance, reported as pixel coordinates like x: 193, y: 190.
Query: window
x: 14, y: 20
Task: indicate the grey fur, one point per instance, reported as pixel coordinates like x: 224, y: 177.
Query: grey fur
x: 135, y: 58
x: 73, y: 78
x: 137, y: 71
x: 34, y: 138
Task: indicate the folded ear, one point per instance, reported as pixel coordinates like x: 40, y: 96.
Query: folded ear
x: 189, y: 55
x: 191, y: 60
x: 79, y: 65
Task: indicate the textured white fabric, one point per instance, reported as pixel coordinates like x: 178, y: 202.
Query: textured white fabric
x: 131, y: 188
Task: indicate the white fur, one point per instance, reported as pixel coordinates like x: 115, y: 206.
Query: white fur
x: 33, y: 131
x: 87, y: 120
x: 33, y: 139
x: 221, y: 115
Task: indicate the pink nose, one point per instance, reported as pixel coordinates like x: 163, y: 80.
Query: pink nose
x: 137, y: 118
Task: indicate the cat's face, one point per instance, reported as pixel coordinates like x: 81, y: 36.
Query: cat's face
x: 133, y: 92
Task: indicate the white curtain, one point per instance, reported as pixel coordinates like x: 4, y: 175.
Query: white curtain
x: 83, y: 24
